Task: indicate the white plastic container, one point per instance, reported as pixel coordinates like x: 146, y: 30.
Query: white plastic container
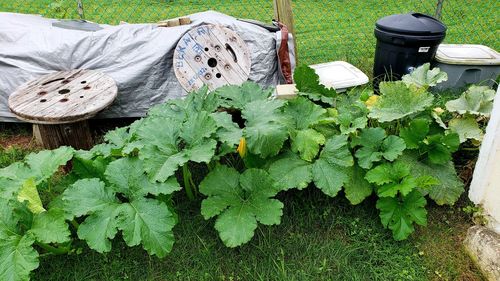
x: 339, y: 75
x: 467, y: 64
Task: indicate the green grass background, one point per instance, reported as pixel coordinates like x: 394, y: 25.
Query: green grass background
x: 325, y: 30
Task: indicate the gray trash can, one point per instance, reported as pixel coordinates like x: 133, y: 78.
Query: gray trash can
x: 405, y: 42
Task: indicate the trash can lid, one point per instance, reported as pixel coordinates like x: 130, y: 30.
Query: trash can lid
x: 339, y: 75
x: 411, y: 24
x: 467, y: 54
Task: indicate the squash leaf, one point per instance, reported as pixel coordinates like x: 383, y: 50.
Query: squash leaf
x: 399, y: 214
x: 308, y: 84
x: 239, y: 201
x: 466, y: 128
x: 477, y: 100
x: 375, y: 145
x: 357, y: 189
x: 331, y: 170
x: 122, y: 204
x: 423, y: 77
x: 265, y: 131
x: 450, y: 186
x: 398, y: 100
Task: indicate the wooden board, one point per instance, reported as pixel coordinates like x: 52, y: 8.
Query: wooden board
x: 63, y: 97
x: 211, y: 55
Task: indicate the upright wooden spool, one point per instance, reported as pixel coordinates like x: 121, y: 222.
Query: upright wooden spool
x: 211, y: 55
x: 60, y: 103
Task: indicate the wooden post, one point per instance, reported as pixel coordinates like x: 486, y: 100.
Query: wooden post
x: 283, y: 13
x: 76, y: 135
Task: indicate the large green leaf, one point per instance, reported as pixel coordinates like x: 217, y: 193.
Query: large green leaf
x: 37, y: 167
x: 265, y: 131
x: 87, y: 196
x: 303, y: 113
x: 239, y: 201
x: 100, y: 227
x: 392, y: 178
x: 466, y: 128
x: 450, y: 186
x: 29, y: 193
x: 228, y: 132
x: 127, y: 176
x: 50, y: 227
x: 307, y: 143
x: 45, y: 163
x: 175, y: 144
x: 438, y: 147
x: 423, y: 77
x: 197, y: 128
x: 477, y: 100
x: 331, y: 170
x: 308, y: 84
x: 399, y: 215
x: 149, y: 222
x: 239, y: 96
x: 142, y: 220
x: 375, y: 145
x: 415, y: 133
x: 17, y: 258
x: 350, y: 123
x: 397, y: 100
x: 86, y: 165
x: 291, y: 172
x: 357, y: 189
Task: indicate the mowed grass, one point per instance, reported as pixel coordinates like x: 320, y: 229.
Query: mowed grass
x: 320, y: 238
x: 325, y: 30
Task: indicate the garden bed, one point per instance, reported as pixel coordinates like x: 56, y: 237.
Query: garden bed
x: 325, y: 161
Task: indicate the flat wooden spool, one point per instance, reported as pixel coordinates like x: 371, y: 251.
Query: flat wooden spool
x: 211, y: 55
x: 68, y: 98
x: 63, y: 97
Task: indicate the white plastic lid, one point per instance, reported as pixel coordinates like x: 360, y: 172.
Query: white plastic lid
x: 464, y: 54
x: 339, y: 75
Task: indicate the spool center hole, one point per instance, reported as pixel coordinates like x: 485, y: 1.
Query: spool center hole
x: 212, y: 62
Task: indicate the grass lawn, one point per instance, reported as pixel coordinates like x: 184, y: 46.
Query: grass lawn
x: 326, y: 30
x: 319, y: 239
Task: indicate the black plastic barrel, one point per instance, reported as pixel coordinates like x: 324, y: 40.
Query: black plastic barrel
x: 404, y: 42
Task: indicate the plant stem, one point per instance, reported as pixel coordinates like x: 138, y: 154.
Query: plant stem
x: 187, y: 184
x: 75, y: 224
x: 51, y: 249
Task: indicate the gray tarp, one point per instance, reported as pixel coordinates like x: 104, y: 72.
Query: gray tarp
x: 138, y: 56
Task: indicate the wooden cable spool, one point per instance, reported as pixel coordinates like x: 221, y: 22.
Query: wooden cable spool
x: 58, y: 104
x: 211, y: 55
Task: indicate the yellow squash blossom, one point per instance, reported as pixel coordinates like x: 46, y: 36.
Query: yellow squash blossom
x: 371, y: 101
x: 438, y: 110
x: 242, y: 147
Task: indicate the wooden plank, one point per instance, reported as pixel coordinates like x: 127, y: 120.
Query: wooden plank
x: 283, y: 13
x: 211, y: 55
x: 63, y: 97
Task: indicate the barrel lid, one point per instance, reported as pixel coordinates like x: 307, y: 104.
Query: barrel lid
x: 339, y: 75
x: 411, y: 24
x: 467, y: 54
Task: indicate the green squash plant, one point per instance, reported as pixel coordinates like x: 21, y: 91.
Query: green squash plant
x: 246, y: 147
